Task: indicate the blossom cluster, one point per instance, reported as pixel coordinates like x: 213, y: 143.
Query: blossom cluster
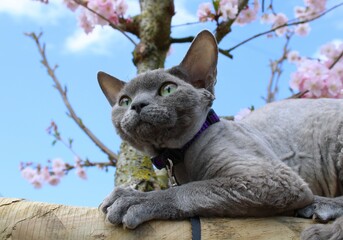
x: 52, y: 175
x: 320, y: 77
x: 228, y: 10
x: 311, y: 9
x: 106, y: 11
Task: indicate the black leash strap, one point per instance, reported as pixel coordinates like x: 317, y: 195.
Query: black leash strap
x: 196, y: 228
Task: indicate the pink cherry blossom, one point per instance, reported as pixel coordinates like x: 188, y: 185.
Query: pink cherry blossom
x: 58, y: 167
x: 85, y: 23
x: 120, y: 7
x: 297, y: 80
x: 37, y: 181
x: 71, y: 4
x: 318, y: 77
x: 338, y: 69
x: 53, y: 180
x: 204, y: 11
x: 293, y: 57
x: 315, y: 5
x: 334, y: 85
x: 28, y: 173
x: 279, y: 20
x: 80, y: 171
x: 103, y: 8
x: 329, y: 50
x: 246, y: 16
x: 312, y: 9
x: 302, y: 29
x: 107, y: 11
x: 315, y: 86
x: 300, y: 12
x: 267, y: 18
x: 45, y: 173
x: 229, y: 9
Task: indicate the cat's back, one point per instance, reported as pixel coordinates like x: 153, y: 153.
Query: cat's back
x: 299, y: 119
x: 307, y: 135
x: 298, y: 114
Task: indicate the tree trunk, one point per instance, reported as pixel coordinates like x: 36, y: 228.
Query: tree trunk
x: 133, y: 168
x: 22, y: 220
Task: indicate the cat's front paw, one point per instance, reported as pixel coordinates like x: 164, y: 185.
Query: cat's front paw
x: 128, y: 207
x: 322, y: 209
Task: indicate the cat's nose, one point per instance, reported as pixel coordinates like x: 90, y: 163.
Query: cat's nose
x: 139, y: 106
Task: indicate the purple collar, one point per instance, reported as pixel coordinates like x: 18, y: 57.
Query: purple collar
x: 177, y: 155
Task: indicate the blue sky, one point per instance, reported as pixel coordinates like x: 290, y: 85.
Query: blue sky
x: 28, y: 101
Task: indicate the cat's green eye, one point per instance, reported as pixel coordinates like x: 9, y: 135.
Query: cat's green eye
x: 125, y: 101
x: 167, y: 89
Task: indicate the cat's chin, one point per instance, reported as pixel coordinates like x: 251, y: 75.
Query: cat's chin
x: 147, y: 131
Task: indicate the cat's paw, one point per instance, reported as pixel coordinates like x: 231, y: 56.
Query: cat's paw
x: 322, y: 209
x: 128, y: 207
x: 333, y: 231
x: 314, y: 232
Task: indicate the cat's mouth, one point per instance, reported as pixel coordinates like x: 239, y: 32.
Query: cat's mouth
x: 149, y: 122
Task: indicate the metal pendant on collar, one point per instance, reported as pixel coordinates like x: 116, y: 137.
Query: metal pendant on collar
x: 170, y: 172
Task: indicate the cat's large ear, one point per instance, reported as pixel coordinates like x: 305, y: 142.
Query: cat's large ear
x: 110, y: 86
x: 199, y: 66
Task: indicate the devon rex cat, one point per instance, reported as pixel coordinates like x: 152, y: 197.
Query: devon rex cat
x: 280, y: 158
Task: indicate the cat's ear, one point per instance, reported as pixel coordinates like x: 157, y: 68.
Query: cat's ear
x: 110, y: 86
x: 200, y: 63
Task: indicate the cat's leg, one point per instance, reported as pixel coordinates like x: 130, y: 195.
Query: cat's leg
x: 263, y: 194
x: 333, y: 231
x: 323, y: 209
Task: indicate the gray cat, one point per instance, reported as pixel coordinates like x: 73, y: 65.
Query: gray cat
x: 278, y: 159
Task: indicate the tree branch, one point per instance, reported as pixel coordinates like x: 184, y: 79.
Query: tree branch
x: 276, y: 70
x: 336, y: 60
x: 298, y: 95
x: 225, y: 27
x: 290, y: 23
x: 63, y: 92
x: 182, y: 40
x: 185, y: 24
x: 225, y: 53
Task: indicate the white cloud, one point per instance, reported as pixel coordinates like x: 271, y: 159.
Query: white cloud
x: 34, y: 10
x: 182, y: 15
x: 134, y: 8
x: 96, y: 42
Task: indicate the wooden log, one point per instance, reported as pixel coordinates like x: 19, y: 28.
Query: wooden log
x: 25, y: 220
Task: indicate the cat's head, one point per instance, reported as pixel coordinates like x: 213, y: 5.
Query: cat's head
x: 165, y: 108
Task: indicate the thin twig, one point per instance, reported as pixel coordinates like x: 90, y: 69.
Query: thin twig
x: 225, y: 53
x: 87, y: 163
x: 276, y: 71
x: 290, y: 23
x: 185, y: 24
x: 63, y: 92
x: 336, y: 60
x: 298, y: 95
x: 84, y: 4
